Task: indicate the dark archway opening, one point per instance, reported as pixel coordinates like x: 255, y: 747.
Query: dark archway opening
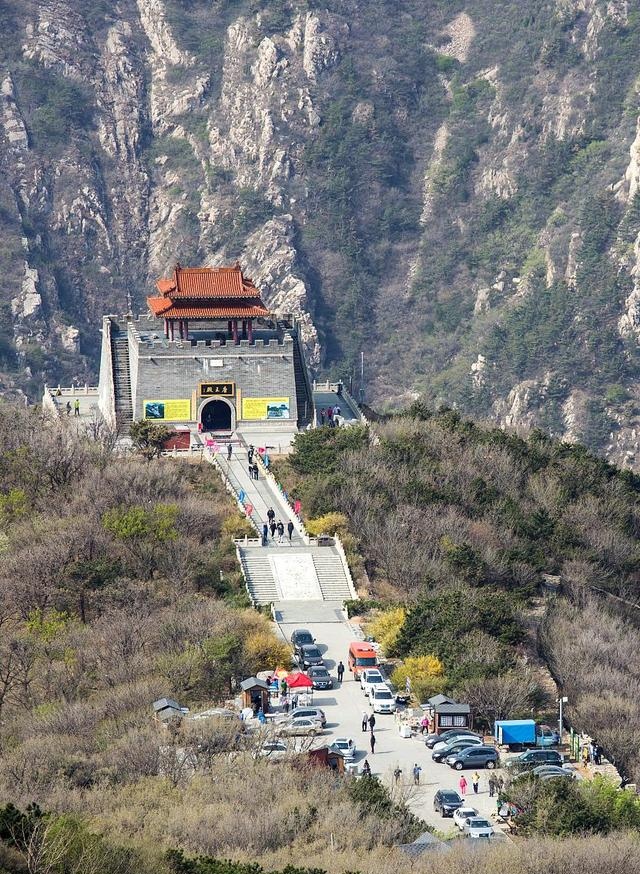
x: 216, y: 416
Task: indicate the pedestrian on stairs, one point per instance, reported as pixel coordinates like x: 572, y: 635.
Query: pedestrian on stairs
x: 272, y: 528
x: 265, y: 534
x: 255, y: 471
x: 229, y: 451
x: 250, y: 452
x: 290, y: 529
x: 280, y: 530
x: 271, y: 515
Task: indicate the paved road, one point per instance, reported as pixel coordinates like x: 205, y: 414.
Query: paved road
x: 344, y: 707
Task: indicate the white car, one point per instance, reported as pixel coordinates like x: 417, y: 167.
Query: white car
x: 472, y: 738
x: 477, y: 827
x: 382, y: 699
x: 463, y: 813
x: 370, y: 678
x: 346, y: 746
x: 272, y: 749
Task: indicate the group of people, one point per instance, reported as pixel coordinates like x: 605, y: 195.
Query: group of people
x: 368, y: 724
x: 329, y: 416
x: 592, y: 752
x: 273, y: 527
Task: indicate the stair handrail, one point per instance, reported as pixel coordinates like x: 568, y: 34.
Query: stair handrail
x: 345, y: 566
x: 297, y: 521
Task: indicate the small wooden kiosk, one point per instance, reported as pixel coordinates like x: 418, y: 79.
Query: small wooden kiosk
x: 445, y: 713
x: 255, y: 692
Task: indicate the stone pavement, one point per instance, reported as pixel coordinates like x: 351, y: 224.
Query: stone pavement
x: 261, y: 493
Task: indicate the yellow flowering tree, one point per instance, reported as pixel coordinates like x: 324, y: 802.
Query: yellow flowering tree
x: 385, y: 628
x: 426, y: 674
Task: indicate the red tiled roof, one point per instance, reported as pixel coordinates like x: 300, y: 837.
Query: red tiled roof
x: 224, y: 310
x: 203, y: 282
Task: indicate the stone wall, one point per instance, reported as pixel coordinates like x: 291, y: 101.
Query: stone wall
x: 172, y: 371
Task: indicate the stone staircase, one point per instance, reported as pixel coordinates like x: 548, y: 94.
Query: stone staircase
x: 121, y: 379
x: 258, y: 575
x: 263, y: 587
x: 304, y: 395
x: 331, y: 576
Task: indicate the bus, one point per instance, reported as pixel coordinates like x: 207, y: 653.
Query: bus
x: 361, y: 656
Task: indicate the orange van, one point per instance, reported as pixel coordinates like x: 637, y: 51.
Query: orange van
x: 361, y: 656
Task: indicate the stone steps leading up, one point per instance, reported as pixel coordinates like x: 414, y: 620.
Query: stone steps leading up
x: 121, y: 379
x: 265, y: 588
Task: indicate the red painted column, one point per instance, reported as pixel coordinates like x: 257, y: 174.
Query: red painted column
x: 234, y: 325
x: 244, y: 329
x: 250, y: 330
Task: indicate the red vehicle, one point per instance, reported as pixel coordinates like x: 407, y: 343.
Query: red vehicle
x: 361, y: 656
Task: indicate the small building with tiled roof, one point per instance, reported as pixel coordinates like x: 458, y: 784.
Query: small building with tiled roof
x: 208, y: 354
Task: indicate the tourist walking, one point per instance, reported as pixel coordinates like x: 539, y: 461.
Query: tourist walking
x: 272, y: 529
x: 416, y: 774
x: 340, y: 671
x: 76, y: 407
x: 250, y: 452
x: 271, y: 515
x: 365, y: 721
x: 397, y: 774
x: 265, y: 534
x: 493, y: 785
x: 372, y: 743
x: 255, y: 471
x: 68, y: 408
x: 366, y: 769
x: 462, y: 783
x: 475, y: 781
x: 372, y: 722
x: 229, y: 452
x: 280, y: 531
x: 500, y: 782
x: 323, y: 414
x: 285, y: 705
x: 290, y: 527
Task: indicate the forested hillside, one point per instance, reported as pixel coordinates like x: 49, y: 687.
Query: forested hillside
x: 449, y: 186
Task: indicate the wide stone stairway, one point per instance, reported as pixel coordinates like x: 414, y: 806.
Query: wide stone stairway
x: 310, y: 573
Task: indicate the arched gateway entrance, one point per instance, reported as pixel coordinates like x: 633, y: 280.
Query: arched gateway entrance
x: 217, y: 415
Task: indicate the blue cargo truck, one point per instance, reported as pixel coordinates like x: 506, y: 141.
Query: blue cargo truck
x: 520, y: 733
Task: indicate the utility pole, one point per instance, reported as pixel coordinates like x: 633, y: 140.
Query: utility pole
x: 361, y: 377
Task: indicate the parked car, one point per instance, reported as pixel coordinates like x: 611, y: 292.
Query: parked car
x: 460, y: 737
x: 446, y: 802
x: 346, y: 746
x: 478, y: 827
x: 547, y: 772
x: 301, y: 637
x: 474, y: 757
x: 272, y: 749
x: 304, y: 727
x: 309, y: 655
x: 530, y: 759
x: 382, y: 699
x: 370, y: 678
x: 320, y: 677
x: 459, y: 744
x: 432, y: 739
x: 463, y: 813
x: 309, y: 713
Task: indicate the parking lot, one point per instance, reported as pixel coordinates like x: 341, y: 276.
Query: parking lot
x: 344, y: 706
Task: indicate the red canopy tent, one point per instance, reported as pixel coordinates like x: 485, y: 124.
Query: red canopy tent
x: 299, y: 681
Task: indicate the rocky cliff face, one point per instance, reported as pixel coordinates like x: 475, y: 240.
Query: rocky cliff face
x: 452, y: 191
